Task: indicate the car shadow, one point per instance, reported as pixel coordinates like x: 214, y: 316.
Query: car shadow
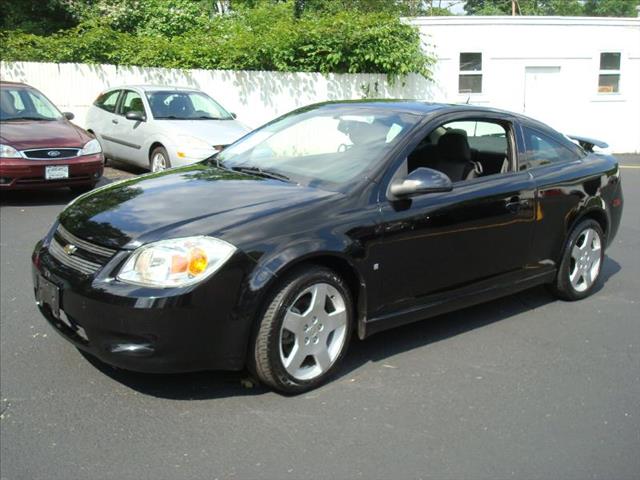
x: 212, y: 385
x: 63, y: 195
x: 37, y: 198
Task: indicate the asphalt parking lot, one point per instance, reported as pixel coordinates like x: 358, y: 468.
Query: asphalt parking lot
x: 524, y: 387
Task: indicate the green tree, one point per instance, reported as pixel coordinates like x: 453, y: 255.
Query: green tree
x: 523, y: 7
x: 611, y: 8
x: 597, y: 8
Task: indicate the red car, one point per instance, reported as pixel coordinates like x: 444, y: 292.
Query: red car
x: 40, y: 147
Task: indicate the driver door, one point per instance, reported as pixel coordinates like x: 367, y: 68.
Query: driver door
x: 436, y: 242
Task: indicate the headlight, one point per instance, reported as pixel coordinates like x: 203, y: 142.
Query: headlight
x: 176, y: 263
x: 192, y: 147
x: 91, y: 148
x: 7, y: 151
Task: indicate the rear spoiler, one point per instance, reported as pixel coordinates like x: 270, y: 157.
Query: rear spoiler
x: 588, y: 143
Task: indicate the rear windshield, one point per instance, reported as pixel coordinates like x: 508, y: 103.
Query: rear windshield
x: 26, y: 104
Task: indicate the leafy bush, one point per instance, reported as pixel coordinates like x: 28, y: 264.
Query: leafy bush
x: 267, y: 37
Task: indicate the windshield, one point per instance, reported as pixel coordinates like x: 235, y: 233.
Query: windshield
x: 26, y: 104
x: 329, y: 145
x: 185, y: 105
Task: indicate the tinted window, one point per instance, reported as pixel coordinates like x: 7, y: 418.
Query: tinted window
x: 107, y: 101
x: 132, y: 102
x: 543, y: 150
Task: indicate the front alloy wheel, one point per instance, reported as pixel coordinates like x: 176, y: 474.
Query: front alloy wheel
x: 304, y: 331
x: 159, y: 159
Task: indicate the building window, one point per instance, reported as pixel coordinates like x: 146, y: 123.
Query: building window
x: 609, y: 78
x: 470, y: 78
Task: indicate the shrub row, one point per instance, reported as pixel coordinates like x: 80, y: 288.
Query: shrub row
x: 263, y: 38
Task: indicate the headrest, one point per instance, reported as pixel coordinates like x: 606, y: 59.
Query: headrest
x: 136, y: 105
x: 7, y: 103
x: 454, y: 147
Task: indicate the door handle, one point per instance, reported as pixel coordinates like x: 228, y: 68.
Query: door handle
x: 114, y: 121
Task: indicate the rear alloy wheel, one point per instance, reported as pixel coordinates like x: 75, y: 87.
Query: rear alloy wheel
x: 159, y: 159
x: 581, y: 263
x: 304, y: 332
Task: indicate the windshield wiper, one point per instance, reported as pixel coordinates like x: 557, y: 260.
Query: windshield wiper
x: 206, y: 117
x: 261, y: 172
x: 172, y: 117
x: 28, y: 118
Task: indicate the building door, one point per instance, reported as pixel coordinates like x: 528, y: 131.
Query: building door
x: 542, y: 93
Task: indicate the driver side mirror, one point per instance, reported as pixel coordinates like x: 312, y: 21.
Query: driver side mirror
x: 136, y: 116
x: 233, y: 115
x: 68, y: 115
x: 422, y: 180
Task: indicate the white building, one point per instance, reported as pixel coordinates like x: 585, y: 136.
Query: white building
x: 580, y: 75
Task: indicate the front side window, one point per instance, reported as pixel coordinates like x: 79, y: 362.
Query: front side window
x: 185, y: 105
x: 326, y: 146
x: 26, y: 104
x: 470, y: 76
x: 609, y: 77
x: 543, y: 150
x: 132, y: 102
x: 465, y: 149
x: 107, y: 101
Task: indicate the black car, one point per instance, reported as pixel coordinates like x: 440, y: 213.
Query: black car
x: 336, y: 219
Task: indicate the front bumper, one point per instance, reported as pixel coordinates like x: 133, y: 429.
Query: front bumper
x: 21, y: 173
x: 150, y: 330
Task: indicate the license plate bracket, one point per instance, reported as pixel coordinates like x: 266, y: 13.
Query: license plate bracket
x: 48, y: 294
x: 56, y: 172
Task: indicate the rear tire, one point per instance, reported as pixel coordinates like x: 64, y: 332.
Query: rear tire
x: 159, y: 160
x: 304, y: 331
x: 581, y: 264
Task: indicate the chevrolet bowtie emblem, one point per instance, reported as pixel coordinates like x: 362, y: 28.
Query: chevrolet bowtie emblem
x: 70, y: 249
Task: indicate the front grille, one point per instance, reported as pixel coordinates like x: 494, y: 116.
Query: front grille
x: 85, y: 257
x: 51, y: 153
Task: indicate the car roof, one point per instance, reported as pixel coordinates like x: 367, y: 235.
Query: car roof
x: 416, y: 106
x: 14, y: 84
x: 152, y: 88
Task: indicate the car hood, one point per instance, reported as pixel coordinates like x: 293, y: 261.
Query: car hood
x: 194, y: 200
x: 27, y: 134
x: 215, y: 132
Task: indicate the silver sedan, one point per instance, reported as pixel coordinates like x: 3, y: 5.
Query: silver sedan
x: 159, y: 127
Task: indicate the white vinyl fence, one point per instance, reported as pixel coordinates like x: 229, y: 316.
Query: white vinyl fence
x: 256, y: 97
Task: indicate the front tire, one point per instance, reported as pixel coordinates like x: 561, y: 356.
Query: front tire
x: 159, y: 160
x: 304, y: 331
x: 581, y: 263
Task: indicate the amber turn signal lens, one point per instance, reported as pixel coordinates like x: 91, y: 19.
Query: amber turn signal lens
x: 197, y: 261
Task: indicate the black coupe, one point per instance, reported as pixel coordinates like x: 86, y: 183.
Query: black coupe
x: 336, y: 219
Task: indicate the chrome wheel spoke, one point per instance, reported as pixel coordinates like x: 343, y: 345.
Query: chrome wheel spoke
x: 576, y: 252
x: 295, y: 358
x: 293, y: 322
x: 335, y: 320
x: 323, y: 360
x: 319, y: 298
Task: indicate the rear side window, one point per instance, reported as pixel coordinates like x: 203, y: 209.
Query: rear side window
x: 544, y: 150
x: 107, y: 101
